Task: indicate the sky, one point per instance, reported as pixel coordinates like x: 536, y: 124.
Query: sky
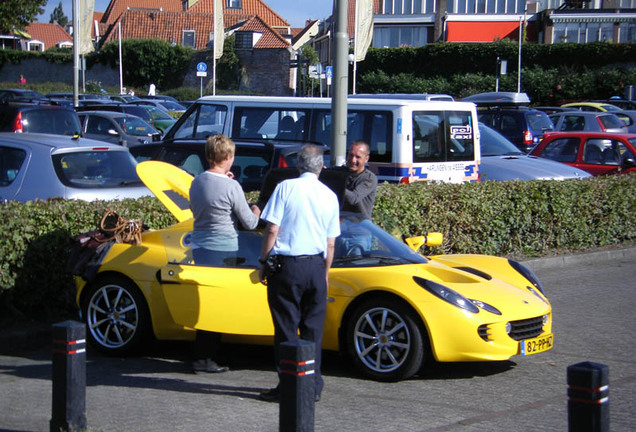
x: 295, y: 12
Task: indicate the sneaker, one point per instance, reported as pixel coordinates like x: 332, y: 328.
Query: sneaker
x: 208, y: 365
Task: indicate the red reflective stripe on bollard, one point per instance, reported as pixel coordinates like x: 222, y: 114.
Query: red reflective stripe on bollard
x: 591, y: 390
x: 68, y: 345
x: 591, y: 402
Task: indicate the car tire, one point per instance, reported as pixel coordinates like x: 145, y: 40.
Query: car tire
x: 384, y: 341
x: 116, y: 315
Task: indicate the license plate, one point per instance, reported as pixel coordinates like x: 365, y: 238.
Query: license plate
x: 536, y: 345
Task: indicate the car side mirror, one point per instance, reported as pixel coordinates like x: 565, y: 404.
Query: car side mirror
x: 430, y: 239
x: 156, y: 137
x: 113, y: 132
x: 629, y: 162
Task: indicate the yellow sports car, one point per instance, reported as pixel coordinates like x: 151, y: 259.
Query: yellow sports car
x: 388, y: 308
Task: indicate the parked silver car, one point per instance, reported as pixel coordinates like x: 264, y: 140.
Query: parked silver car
x: 41, y: 166
x: 587, y: 121
x: 502, y: 160
x: 117, y: 128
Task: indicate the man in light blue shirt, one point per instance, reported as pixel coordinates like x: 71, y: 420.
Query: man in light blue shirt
x: 302, y: 218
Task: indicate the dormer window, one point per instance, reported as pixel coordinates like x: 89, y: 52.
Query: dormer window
x: 243, y: 40
x: 233, y: 4
x: 35, y: 45
x: 188, y: 38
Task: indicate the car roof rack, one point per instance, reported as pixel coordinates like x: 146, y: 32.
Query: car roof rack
x: 490, y: 99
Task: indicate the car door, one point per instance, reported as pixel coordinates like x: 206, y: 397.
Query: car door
x: 596, y: 159
x: 225, y: 299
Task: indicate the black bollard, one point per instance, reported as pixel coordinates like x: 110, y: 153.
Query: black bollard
x: 297, y: 386
x: 69, y: 377
x: 588, y: 397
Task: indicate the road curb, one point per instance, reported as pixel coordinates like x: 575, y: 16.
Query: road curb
x: 581, y: 258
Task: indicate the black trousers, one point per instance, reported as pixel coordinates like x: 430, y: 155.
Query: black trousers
x: 297, y: 296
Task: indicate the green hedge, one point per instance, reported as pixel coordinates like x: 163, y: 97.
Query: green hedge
x: 515, y: 219
x: 550, y: 74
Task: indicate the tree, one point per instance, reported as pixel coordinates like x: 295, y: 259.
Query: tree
x: 58, y: 17
x: 19, y: 13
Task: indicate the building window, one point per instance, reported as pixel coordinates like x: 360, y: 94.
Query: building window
x: 234, y: 4
x: 627, y: 32
x: 585, y: 32
x: 243, y: 40
x: 188, y: 38
x: 35, y: 46
x: 399, y: 36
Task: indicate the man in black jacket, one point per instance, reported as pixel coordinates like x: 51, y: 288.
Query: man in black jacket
x: 360, y: 189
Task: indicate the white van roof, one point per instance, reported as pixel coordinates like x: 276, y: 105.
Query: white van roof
x: 416, y: 96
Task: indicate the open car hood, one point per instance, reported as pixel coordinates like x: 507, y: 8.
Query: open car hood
x: 170, y: 184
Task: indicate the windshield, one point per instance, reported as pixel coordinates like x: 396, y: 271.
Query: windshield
x: 495, y: 144
x: 363, y: 244
x: 158, y: 114
x: 172, y: 106
x: 96, y: 168
x: 135, y: 126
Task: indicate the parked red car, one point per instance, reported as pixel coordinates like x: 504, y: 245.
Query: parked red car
x: 595, y: 152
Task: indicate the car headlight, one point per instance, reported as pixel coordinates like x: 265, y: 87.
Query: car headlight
x: 446, y: 294
x: 485, y: 306
x: 528, y: 274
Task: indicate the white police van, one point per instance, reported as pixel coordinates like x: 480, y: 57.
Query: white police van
x: 410, y: 139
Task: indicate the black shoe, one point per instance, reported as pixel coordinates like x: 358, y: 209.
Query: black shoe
x: 271, y: 395
x: 317, y: 398
x: 208, y: 365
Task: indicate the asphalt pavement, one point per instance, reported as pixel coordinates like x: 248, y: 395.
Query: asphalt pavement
x: 157, y: 392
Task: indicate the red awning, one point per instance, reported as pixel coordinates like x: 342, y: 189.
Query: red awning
x: 484, y: 31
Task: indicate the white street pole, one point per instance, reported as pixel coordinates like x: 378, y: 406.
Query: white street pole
x: 121, y: 74
x: 355, y: 50
x: 75, y: 52
x: 519, y: 64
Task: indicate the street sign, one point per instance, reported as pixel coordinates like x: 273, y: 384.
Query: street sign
x: 202, y: 74
x: 329, y: 71
x: 202, y: 67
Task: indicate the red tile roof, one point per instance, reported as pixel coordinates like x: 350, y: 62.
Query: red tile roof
x: 269, y: 39
x: 248, y: 7
x: 166, y: 25
x: 49, y: 34
x: 117, y: 7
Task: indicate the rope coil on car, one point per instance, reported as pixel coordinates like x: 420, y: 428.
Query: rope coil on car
x: 119, y: 229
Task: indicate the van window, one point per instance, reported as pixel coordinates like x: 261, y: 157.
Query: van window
x: 440, y: 136
x: 269, y: 123
x: 373, y: 127
x: 204, y: 121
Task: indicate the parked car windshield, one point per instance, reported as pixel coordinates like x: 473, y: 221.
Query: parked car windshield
x: 494, y: 144
x: 135, y: 126
x: 95, y: 168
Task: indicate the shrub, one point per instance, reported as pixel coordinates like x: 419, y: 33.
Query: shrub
x: 514, y: 219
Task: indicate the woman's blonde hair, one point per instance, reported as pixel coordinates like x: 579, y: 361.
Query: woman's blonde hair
x: 218, y: 148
